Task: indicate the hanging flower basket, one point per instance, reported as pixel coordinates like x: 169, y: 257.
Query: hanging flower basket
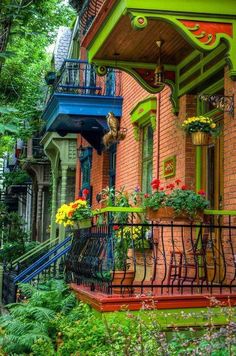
x: 85, y: 224
x: 200, y: 138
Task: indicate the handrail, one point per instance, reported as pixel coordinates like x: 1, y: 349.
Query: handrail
x: 37, y: 263
x: 116, y: 209
x: 46, y: 265
x: 220, y: 212
x: 34, y: 251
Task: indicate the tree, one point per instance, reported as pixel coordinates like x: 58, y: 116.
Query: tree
x: 33, y: 25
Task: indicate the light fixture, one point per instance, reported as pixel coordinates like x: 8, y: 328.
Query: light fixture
x: 159, y: 70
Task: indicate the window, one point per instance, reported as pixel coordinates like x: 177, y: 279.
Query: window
x: 147, y: 158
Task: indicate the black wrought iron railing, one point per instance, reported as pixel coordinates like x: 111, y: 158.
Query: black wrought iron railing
x: 79, y: 77
x: 156, y: 258
x: 87, y: 11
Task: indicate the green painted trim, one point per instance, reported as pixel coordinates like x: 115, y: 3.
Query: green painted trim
x: 190, y: 7
x: 187, y: 35
x: 204, y: 61
x: 143, y: 113
x: 34, y: 251
x: 105, y: 30
x: 220, y: 212
x: 141, y: 210
x: 115, y: 209
x: 117, y: 64
x: 208, y: 74
x: 198, y: 168
x: 141, y: 81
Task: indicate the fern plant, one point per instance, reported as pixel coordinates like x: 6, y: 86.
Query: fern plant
x: 32, y: 322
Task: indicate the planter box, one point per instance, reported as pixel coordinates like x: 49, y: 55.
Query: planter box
x: 85, y: 224
x: 168, y: 213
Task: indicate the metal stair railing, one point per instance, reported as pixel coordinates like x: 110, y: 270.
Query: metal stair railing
x: 34, y: 251
x: 31, y: 268
x: 46, y: 265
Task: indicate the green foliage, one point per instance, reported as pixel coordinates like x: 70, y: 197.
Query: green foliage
x: 65, y: 327
x: 33, y: 28
x: 15, y: 177
x: 14, y: 237
x: 180, y: 198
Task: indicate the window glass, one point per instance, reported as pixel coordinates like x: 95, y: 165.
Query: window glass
x: 147, y: 159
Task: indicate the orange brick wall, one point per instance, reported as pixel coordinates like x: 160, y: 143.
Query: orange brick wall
x: 169, y: 140
x: 229, y: 149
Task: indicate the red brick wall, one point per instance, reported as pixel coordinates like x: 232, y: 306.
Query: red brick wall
x: 229, y: 150
x: 170, y: 137
x: 169, y: 140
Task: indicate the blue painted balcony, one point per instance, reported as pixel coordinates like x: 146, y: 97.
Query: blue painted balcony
x: 81, y: 100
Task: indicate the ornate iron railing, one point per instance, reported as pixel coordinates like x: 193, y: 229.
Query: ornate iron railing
x: 164, y: 257
x: 79, y: 77
x: 87, y: 11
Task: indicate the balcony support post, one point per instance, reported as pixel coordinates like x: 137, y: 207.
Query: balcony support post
x: 54, y: 205
x: 39, y: 210
x: 64, y: 169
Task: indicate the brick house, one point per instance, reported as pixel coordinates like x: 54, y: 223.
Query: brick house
x: 198, y: 59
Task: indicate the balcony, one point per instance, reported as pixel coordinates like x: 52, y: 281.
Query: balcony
x: 174, y: 264
x: 33, y: 150
x: 81, y: 100
x: 87, y: 11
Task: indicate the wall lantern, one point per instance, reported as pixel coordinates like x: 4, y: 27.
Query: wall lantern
x: 159, y: 70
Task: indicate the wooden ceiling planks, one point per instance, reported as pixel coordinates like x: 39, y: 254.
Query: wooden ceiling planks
x: 140, y: 46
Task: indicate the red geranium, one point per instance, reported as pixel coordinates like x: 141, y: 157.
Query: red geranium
x: 116, y: 227
x: 201, y: 192
x: 146, y: 195
x: 155, y: 183
x: 170, y: 186
x: 184, y: 187
x: 85, y: 192
x: 178, y: 181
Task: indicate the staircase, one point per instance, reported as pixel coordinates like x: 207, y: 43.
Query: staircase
x: 50, y: 264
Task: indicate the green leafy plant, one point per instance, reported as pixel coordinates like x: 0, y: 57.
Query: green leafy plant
x: 180, y: 198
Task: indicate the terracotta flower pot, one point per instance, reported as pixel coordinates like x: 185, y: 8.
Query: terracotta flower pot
x: 200, y: 138
x: 123, y: 278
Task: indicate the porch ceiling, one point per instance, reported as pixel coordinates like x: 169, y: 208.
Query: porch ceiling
x: 126, y: 44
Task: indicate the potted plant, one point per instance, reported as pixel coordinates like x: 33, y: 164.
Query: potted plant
x: 124, y: 238
x: 75, y: 214
x: 200, y: 128
x: 174, y: 201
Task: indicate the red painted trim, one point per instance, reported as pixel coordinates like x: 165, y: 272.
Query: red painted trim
x: 98, y: 21
x: 209, y: 28
x: 108, y: 303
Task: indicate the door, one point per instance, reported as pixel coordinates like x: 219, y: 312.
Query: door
x: 213, y: 184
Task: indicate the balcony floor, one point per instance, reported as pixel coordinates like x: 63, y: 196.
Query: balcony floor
x: 159, y: 300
